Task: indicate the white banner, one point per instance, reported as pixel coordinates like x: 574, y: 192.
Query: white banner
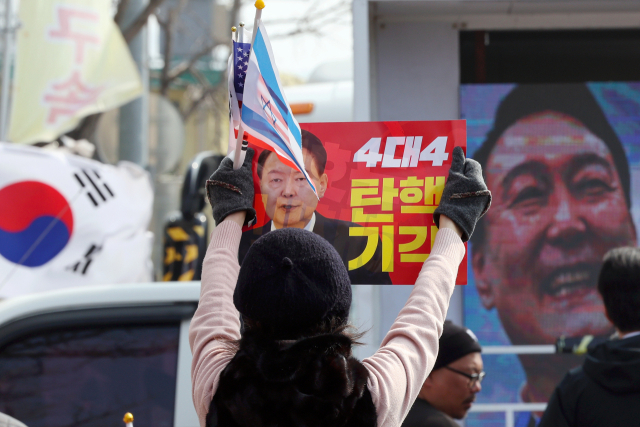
x: 71, y: 61
x: 69, y: 221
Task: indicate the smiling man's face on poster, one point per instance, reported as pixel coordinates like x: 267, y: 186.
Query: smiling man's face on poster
x: 560, y: 161
x: 558, y: 207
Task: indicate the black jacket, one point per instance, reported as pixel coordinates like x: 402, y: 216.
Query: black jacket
x: 604, y: 391
x: 422, y: 414
x: 335, y: 232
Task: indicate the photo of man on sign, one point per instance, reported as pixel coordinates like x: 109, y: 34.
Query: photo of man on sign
x: 378, y: 185
x: 290, y: 202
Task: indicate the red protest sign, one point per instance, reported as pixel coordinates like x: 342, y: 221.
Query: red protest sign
x: 379, y: 184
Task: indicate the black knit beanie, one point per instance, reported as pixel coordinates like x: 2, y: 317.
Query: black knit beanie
x: 455, y: 342
x: 290, y: 281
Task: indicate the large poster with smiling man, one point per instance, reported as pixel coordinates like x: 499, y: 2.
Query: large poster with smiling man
x: 563, y: 164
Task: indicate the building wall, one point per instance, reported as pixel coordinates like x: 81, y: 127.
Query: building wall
x: 417, y: 71
x: 406, y: 67
x: 414, y: 76
x: 417, y: 78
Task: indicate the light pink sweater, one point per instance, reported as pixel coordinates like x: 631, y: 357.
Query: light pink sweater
x: 396, y: 371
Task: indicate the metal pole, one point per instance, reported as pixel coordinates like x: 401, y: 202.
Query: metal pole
x: 509, y: 418
x: 238, y: 158
x: 6, y: 71
x: 134, y: 116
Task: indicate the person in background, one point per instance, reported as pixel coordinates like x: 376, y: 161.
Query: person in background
x: 452, y: 385
x: 605, y: 390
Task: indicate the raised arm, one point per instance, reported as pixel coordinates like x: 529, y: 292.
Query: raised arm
x: 408, y: 352
x: 216, y: 322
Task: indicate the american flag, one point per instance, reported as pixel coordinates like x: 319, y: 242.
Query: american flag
x: 241, y: 53
x: 236, y: 74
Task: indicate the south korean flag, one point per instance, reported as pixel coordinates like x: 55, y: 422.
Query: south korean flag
x: 69, y: 221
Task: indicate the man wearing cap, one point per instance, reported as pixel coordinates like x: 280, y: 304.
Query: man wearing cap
x: 451, y: 387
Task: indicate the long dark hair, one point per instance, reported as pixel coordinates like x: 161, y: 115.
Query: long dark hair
x: 313, y: 381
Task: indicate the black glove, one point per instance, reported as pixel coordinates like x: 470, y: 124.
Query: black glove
x: 465, y: 197
x: 231, y: 190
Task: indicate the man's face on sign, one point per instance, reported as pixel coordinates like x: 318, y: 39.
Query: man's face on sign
x: 287, y: 196
x: 558, y: 206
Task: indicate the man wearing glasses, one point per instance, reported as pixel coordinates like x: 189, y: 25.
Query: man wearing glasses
x: 451, y: 388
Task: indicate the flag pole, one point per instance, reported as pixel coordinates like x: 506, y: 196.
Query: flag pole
x: 6, y: 71
x: 241, y: 33
x: 233, y: 40
x: 259, y: 6
x: 238, y: 158
x: 128, y: 419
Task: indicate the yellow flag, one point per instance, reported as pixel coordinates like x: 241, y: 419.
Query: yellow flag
x: 71, y: 61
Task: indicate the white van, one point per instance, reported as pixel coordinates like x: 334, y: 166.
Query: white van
x: 86, y: 356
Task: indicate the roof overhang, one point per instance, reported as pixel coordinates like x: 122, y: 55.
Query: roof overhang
x: 497, y: 15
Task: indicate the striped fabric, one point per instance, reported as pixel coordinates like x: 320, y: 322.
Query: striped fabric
x: 266, y: 116
x: 236, y: 73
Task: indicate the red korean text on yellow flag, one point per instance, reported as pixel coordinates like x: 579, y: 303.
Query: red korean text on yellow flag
x: 71, y: 61
x: 378, y: 183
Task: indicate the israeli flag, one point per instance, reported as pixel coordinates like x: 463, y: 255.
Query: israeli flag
x: 266, y: 116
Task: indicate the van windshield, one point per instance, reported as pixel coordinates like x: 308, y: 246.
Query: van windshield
x: 91, y: 377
